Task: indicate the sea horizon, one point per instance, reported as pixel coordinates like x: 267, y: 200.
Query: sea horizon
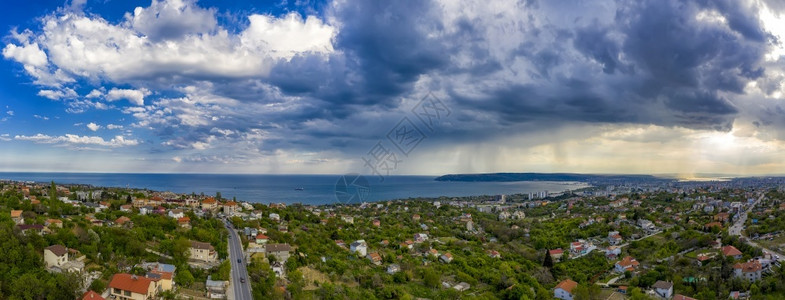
x: 315, y: 189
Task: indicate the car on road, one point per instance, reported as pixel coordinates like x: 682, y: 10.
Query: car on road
x: 242, y: 279
x: 239, y: 260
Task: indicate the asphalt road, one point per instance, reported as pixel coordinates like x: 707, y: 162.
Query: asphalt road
x: 242, y: 290
x: 738, y: 227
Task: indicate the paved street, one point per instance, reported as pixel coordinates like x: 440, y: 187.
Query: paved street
x: 241, y: 291
x: 738, y: 227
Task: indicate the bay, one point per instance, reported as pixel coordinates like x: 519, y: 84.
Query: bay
x: 305, y: 189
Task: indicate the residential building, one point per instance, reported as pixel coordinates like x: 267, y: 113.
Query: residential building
x: 55, y: 256
x: 184, y: 222
x: 614, y: 238
x: 375, y: 258
x: 563, y: 290
x: 420, y: 237
x: 612, y: 252
x: 54, y: 223
x: 751, y: 270
x: 347, y: 219
x: 209, y: 204
x: 203, y: 252
x: 126, y: 208
x: 16, y: 215
x: 278, y: 268
x: 682, y: 297
x: 131, y: 287
x: 279, y: 251
x: 627, y: 263
x: 230, y: 208
x: 261, y: 239
x: 556, y: 254
x: 91, y: 295
x: 729, y: 250
x: 663, y: 289
x: 123, y: 221
x: 446, y: 258
x: 393, y: 268
x: 360, y: 247
x: 176, y: 213
x: 215, y: 289
x: 461, y: 286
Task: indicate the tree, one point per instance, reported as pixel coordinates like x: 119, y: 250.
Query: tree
x: 184, y: 278
x: 430, y: 278
x: 218, y: 196
x: 52, y: 193
x: 548, y: 262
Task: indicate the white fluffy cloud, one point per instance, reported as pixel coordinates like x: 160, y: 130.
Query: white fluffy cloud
x: 73, y: 139
x: 75, y: 45
x: 94, y: 127
x: 133, y: 96
x: 172, y: 19
x: 65, y: 93
x: 29, y: 54
x: 287, y: 36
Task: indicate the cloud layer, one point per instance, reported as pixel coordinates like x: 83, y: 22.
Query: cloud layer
x: 321, y: 88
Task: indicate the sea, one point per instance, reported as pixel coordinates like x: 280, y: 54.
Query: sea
x: 305, y: 189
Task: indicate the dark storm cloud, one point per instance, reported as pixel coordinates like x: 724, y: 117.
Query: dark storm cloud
x: 385, y: 47
x: 659, y: 65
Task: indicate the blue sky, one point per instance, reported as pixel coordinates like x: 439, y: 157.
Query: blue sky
x: 681, y: 87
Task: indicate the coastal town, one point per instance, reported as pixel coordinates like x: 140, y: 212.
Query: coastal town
x: 674, y: 240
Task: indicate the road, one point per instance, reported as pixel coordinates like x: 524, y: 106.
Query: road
x: 242, y: 290
x: 738, y: 228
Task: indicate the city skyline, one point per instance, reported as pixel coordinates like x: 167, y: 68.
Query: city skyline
x: 624, y: 87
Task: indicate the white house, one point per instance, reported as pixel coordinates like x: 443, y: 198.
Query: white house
x: 176, y: 213
x: 393, y: 268
x: 563, y: 290
x: 360, y: 247
x: 663, y: 289
x: 751, y: 271
x: 55, y: 256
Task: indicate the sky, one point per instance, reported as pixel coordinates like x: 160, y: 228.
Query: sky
x: 393, y: 87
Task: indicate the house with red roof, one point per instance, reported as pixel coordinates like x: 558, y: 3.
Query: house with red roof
x: 262, y: 239
x: 627, y: 263
x: 184, y: 222
x: 556, y: 254
x: 128, y: 286
x: 729, y: 250
x: 563, y: 290
x: 751, y: 270
x: 91, y: 295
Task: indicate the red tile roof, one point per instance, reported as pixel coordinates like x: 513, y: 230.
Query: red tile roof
x: 133, y: 283
x: 749, y: 267
x: 567, y: 285
x: 91, y: 295
x: 628, y: 262
x: 729, y: 250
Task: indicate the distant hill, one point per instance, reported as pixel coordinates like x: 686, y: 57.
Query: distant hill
x: 508, y: 177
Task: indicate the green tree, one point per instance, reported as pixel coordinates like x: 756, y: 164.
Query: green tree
x: 184, y: 278
x: 53, y: 194
x: 548, y: 262
x: 430, y: 278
